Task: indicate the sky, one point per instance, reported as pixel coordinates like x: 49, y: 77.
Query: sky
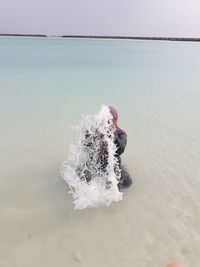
x: 164, y: 18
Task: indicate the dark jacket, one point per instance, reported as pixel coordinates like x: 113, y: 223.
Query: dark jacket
x: 125, y: 180
x: 120, y: 140
x: 89, y: 142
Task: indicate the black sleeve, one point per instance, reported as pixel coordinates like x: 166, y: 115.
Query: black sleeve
x: 120, y: 140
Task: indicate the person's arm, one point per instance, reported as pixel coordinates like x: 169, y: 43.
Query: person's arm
x: 120, y: 140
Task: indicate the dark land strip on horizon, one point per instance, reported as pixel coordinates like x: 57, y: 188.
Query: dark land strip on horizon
x: 110, y: 37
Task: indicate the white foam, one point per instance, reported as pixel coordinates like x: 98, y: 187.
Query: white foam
x: 85, y: 157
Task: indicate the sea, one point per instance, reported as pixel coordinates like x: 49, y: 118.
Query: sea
x: 46, y: 86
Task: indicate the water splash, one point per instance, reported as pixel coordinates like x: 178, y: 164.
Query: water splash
x: 91, y: 169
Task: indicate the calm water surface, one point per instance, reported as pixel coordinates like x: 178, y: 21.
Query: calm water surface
x: 46, y: 85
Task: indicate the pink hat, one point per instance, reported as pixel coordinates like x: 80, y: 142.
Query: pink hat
x: 114, y: 112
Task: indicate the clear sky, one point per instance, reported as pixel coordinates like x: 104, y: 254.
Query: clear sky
x: 180, y: 18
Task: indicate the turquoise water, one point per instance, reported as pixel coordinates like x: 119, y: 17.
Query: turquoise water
x: 46, y: 85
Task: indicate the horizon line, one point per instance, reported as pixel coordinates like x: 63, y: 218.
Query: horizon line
x: 194, y: 39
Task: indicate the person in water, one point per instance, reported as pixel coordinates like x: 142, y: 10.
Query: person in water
x: 120, y: 140
x: 91, y: 141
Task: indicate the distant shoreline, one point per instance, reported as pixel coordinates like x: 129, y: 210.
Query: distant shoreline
x: 23, y: 35
x: 185, y: 39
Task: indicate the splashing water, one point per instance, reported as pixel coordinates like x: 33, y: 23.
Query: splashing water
x: 91, y: 169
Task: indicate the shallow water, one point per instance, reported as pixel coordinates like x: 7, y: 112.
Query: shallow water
x: 46, y: 85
